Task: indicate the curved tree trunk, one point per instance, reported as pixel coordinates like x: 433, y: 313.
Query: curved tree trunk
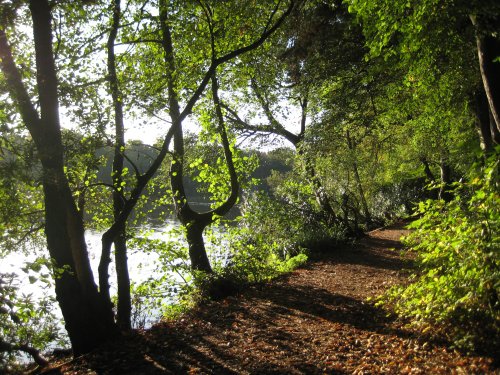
x: 194, y: 222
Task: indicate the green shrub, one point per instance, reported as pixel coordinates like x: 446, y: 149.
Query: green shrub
x: 457, y: 285
x: 287, y: 224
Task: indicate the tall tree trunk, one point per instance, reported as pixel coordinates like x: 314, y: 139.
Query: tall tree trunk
x: 361, y: 192
x: 124, y: 307
x: 194, y: 222
x: 488, y: 49
x: 88, y: 320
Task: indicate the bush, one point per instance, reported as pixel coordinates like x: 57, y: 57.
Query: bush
x: 456, y: 288
x: 286, y: 225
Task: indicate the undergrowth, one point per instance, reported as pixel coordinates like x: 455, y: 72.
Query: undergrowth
x: 455, y: 291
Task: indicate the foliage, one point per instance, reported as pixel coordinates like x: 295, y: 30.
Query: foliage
x: 285, y: 225
x: 457, y: 248
x: 167, y: 288
x: 26, y: 320
x: 21, y: 206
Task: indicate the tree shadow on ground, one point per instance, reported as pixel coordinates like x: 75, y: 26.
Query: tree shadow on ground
x: 200, y: 347
x: 372, y: 252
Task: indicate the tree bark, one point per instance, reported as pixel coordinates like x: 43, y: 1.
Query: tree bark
x: 444, y: 192
x: 197, y: 251
x: 124, y: 307
x: 364, y: 204
x: 482, y: 123
x: 488, y: 49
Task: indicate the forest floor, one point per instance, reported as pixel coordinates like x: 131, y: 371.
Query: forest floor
x: 316, y: 320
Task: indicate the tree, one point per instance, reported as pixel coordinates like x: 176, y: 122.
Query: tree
x: 124, y: 306
x: 87, y: 310
x: 89, y: 320
x: 319, y: 68
x: 196, y: 222
x: 430, y: 36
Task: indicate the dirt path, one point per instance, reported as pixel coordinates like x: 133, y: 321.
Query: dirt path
x: 313, y: 321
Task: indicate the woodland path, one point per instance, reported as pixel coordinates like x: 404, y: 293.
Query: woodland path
x: 316, y: 320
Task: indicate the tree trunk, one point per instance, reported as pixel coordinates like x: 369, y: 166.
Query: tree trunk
x: 124, y: 306
x: 488, y: 49
x: 89, y: 321
x: 197, y: 252
x: 483, y: 123
x: 444, y: 192
x: 194, y: 222
x: 361, y: 191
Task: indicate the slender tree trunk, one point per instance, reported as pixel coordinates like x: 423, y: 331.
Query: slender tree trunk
x: 124, y: 307
x: 361, y: 191
x: 483, y: 123
x: 444, y: 192
x: 189, y: 218
x: 488, y: 49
